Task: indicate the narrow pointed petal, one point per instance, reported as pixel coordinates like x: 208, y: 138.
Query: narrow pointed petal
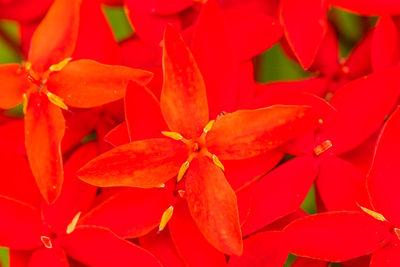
x: 336, y: 236
x: 97, y: 246
x: 304, y: 36
x: 266, y: 249
x: 45, y: 257
x: 87, y: 83
x: 282, y: 191
x: 337, y: 175
x: 190, y: 243
x: 20, y: 226
x: 388, y: 256
x: 385, y: 43
x: 44, y: 129
x: 183, y: 97
x: 146, y: 163
x: 13, y: 85
x: 359, y: 62
x: 383, y: 179
x: 141, y: 209
x: 248, y: 133
x: 214, y: 53
x: 362, y: 106
x: 54, y: 40
x: 213, y: 206
x: 369, y: 7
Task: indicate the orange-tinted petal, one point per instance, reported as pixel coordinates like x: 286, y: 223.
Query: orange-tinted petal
x: 213, y: 205
x: 146, y: 163
x: 13, y: 85
x: 183, y: 97
x: 54, y: 40
x: 248, y: 133
x: 44, y: 129
x: 87, y: 83
x: 45, y: 257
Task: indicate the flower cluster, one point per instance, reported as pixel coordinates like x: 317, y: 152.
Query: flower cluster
x: 162, y: 149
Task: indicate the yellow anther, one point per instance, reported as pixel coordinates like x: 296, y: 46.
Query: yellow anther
x: 182, y: 170
x: 59, y: 66
x: 173, y: 135
x: 374, y: 214
x: 397, y: 232
x: 56, y: 100
x: 181, y: 193
x: 217, y: 162
x: 165, y: 218
x: 208, y: 126
x: 72, y: 225
x: 320, y: 121
x: 25, y: 103
x: 27, y: 65
x: 324, y: 146
x: 161, y: 186
x: 46, y: 241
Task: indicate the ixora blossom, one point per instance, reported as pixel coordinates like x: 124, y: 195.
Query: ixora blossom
x: 350, y: 234
x: 194, y: 147
x: 49, y: 81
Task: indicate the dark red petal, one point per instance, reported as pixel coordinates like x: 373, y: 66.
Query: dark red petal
x: 190, y: 243
x: 282, y: 191
x: 54, y: 40
x: 341, y: 185
x: 44, y: 257
x: 171, y: 7
x: 44, y: 129
x: 336, y: 236
x: 97, y: 246
x: 19, y: 258
x: 20, y: 226
x: 13, y: 85
x: 304, y: 35
x: 388, y: 256
x: 87, y: 83
x: 213, y: 205
x: 217, y: 60
x: 266, y: 249
x: 385, y: 43
x: 362, y: 106
x: 183, y: 97
x: 146, y: 163
x: 383, y: 177
x: 307, y: 262
x: 281, y: 223
x: 369, y: 7
x: 248, y: 133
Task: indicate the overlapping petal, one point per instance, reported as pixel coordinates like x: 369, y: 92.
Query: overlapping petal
x: 13, y: 85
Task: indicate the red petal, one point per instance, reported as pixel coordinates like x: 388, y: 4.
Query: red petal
x: 19, y: 258
x: 146, y: 163
x: 171, y: 7
x: 190, y: 243
x: 23, y: 11
x: 247, y: 88
x: 388, y: 256
x: 369, y: 7
x: 44, y: 129
x: 54, y: 40
x: 307, y: 262
x: 383, y: 179
x: 141, y: 209
x: 282, y: 191
x: 12, y: 136
x: 118, y: 136
x: 45, y: 257
x: 213, y: 50
x: 267, y: 249
x: 213, y: 205
x: 20, y: 226
x: 304, y: 35
x: 281, y: 223
x: 385, y: 43
x: 96, y: 246
x: 248, y: 133
x: 362, y: 106
x: 13, y: 85
x: 183, y: 97
x: 336, y: 236
x: 87, y: 83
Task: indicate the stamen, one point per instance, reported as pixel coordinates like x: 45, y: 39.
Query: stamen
x: 181, y: 193
x: 374, y: 214
x: 161, y: 186
x: 27, y: 65
x: 182, y: 170
x: 56, y: 100
x: 165, y: 218
x: 25, y: 103
x: 59, y: 66
x: 208, y: 126
x: 397, y: 232
x: 46, y: 241
x: 217, y: 162
x: 72, y: 225
x: 324, y: 146
x: 173, y: 135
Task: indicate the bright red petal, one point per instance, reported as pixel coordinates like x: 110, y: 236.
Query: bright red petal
x: 118, y: 136
x: 307, y: 262
x: 369, y: 7
x: 25, y: 10
x: 45, y: 257
x: 13, y: 85
x: 388, y: 256
x: 170, y: 7
x: 44, y: 129
x: 183, y: 97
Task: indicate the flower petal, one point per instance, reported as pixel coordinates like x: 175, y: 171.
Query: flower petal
x: 44, y: 129
x: 336, y: 236
x: 388, y: 256
x: 118, y: 136
x: 146, y: 163
x: 213, y: 205
x: 87, y: 83
x: 307, y: 262
x: 54, y: 40
x: 248, y: 133
x: 183, y: 97
x: 45, y: 257
x: 97, y: 246
x: 369, y: 7
x: 13, y: 85
x: 24, y: 11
